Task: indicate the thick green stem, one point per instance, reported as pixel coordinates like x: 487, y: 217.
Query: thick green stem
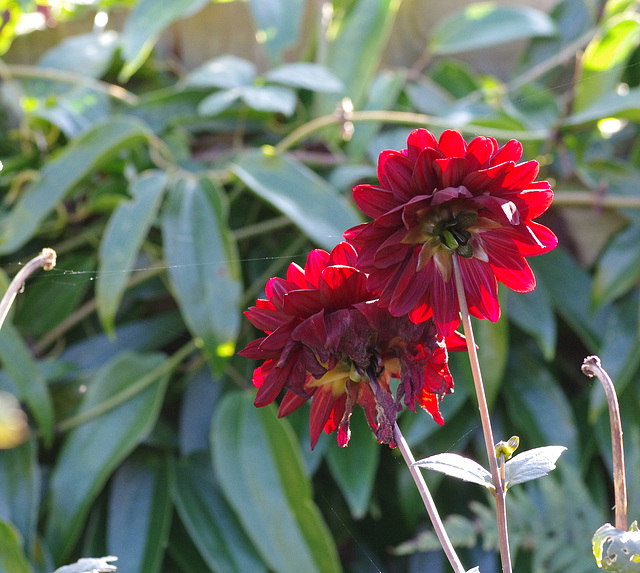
x: 487, y: 431
x: 428, y: 502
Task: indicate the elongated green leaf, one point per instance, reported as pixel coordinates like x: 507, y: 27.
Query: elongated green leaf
x: 145, y: 24
x: 32, y: 387
x: 203, y: 268
x: 533, y: 313
x: 60, y: 175
x: 278, y: 23
x: 532, y: 464
x: 211, y: 523
x: 291, y: 187
x: 12, y: 557
x: 259, y: 468
x: 140, y: 513
x: 485, y: 24
x: 20, y: 490
x: 354, y: 468
x: 625, y: 105
x: 86, y: 54
x: 457, y: 466
x: 218, y: 102
x: 198, y: 401
x: 604, y: 61
x: 355, y: 53
x: 92, y: 451
x: 306, y: 75
x: 493, y: 352
x: 126, y: 230
x: 619, y: 267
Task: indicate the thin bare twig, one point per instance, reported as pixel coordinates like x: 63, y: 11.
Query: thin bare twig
x: 593, y: 367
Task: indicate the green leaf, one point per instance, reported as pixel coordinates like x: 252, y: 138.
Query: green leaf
x: 457, y: 466
x: 196, y: 408
x: 307, y: 76
x: 269, y: 98
x: 354, y: 468
x: 12, y: 557
x: 225, y: 72
x: 624, y: 105
x: 60, y: 175
x: 143, y: 27
x: 140, y: 513
x: 20, y: 484
x: 533, y: 313
x: 127, y: 228
x: 202, y: 265
x: 618, y: 269
x: 278, y: 23
x: 603, y: 62
x: 218, y: 102
x: 617, y: 550
x: 211, y: 523
x: 493, y: 352
x: 355, y: 53
x: 92, y: 451
x: 486, y: 24
x: 31, y: 384
x: 292, y: 188
x: 532, y: 464
x: 259, y: 468
x: 86, y: 54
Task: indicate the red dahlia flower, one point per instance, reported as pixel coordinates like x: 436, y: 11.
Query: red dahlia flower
x: 437, y: 198
x: 329, y: 341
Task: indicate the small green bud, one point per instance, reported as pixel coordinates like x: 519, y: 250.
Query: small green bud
x: 449, y: 240
x: 506, y: 449
x: 465, y: 251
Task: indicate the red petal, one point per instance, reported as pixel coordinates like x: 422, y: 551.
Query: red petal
x: 521, y: 176
x: 452, y: 144
x: 444, y: 302
x: 343, y: 254
x: 295, y: 275
x: 453, y: 171
x: 424, y: 180
x: 265, y: 319
x: 532, y: 203
x: 302, y: 303
x: 511, y: 151
x: 418, y: 140
x: 340, y: 287
x: 290, y: 402
x: 480, y: 151
x: 429, y: 402
x: 374, y: 201
x: 321, y: 405
x: 316, y: 262
x: 394, y: 172
x: 480, y: 288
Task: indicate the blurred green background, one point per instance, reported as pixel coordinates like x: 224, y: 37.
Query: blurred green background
x: 178, y: 154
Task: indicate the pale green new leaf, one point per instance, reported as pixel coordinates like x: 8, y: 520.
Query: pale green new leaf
x: 532, y: 464
x: 273, y: 99
x: 306, y: 75
x: 617, y: 550
x: 127, y: 228
x: 457, y: 466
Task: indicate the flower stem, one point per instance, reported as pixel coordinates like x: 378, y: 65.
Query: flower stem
x: 592, y: 367
x: 499, y: 493
x: 46, y: 259
x: 418, y: 478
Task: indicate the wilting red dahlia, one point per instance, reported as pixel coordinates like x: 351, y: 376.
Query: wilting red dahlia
x: 328, y: 340
x: 437, y: 198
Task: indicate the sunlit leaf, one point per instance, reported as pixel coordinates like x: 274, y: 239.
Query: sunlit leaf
x: 259, y: 468
x: 274, y: 99
x: 61, y: 174
x: 613, y: 104
x: 532, y: 464
x: 291, y: 187
x: 140, y: 513
x: 218, y: 102
x: 123, y: 236
x: 485, y: 24
x: 617, y: 550
x: 12, y: 557
x: 92, y: 451
x: 457, y: 466
x: 202, y: 265
x: 225, y: 72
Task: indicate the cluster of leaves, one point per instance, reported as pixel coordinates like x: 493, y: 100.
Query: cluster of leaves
x: 169, y: 208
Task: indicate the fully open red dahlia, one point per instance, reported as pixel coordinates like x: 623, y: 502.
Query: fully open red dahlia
x: 329, y: 341
x: 437, y: 198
